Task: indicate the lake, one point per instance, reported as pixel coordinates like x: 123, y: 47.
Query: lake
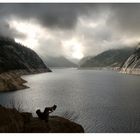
x: 100, y: 100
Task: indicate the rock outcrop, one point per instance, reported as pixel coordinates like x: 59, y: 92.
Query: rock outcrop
x: 132, y: 64
x: 13, y: 121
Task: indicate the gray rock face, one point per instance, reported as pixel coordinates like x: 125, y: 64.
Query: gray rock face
x: 14, y: 56
x: 132, y: 64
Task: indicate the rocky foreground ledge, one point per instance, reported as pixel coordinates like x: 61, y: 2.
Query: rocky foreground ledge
x: 13, y: 121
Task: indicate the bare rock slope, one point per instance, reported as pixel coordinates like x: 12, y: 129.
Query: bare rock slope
x: 132, y: 64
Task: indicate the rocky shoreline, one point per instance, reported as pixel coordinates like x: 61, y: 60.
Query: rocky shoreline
x: 13, y: 121
x: 135, y: 71
x: 11, y: 80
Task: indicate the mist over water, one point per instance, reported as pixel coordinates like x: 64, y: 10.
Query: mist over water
x: 100, y: 100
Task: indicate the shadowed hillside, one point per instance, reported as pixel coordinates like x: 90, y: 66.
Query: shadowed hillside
x: 16, y: 60
x: 110, y: 58
x: 14, y: 56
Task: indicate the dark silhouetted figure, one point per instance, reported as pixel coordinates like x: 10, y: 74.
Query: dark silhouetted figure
x: 45, y: 115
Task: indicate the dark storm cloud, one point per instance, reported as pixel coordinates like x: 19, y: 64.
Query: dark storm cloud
x: 51, y: 15
x: 6, y: 31
x: 58, y: 16
x: 112, y: 25
x: 122, y: 16
x: 125, y: 18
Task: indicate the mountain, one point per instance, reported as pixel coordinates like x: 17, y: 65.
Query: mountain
x: 109, y: 58
x: 16, y: 60
x: 14, y: 56
x: 84, y: 60
x: 132, y: 64
x: 58, y: 61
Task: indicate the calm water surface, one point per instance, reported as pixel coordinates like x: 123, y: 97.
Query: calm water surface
x: 100, y: 100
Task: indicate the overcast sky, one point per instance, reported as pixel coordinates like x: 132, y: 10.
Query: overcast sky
x: 71, y: 30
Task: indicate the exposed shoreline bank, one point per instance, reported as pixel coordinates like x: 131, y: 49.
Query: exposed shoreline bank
x: 11, y: 80
x: 135, y: 71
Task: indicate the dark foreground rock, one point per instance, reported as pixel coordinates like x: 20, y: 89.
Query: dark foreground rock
x: 13, y: 121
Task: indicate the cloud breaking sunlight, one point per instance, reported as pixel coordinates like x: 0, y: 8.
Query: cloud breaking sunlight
x: 31, y: 31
